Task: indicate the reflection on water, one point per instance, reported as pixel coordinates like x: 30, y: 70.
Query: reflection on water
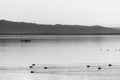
x: 42, y: 76
x: 57, y: 50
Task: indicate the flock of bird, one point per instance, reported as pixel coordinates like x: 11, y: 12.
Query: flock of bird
x: 59, y: 69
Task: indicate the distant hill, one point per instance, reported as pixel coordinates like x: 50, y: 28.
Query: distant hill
x: 22, y: 28
x: 116, y: 28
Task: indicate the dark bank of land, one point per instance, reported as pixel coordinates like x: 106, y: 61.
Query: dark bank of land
x: 22, y: 28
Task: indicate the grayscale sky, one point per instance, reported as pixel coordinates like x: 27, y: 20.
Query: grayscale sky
x: 81, y: 12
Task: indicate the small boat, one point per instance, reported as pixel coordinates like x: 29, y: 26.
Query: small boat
x: 25, y: 40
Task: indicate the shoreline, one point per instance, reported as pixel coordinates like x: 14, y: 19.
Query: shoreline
x: 61, y: 34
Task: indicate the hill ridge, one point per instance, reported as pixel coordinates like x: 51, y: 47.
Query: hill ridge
x: 23, y: 28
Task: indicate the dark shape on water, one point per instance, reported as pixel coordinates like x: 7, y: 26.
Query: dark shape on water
x: 99, y: 68
x: 33, y: 64
x: 31, y: 71
x: 109, y: 64
x: 88, y: 66
x: 25, y: 40
x: 45, y: 67
x: 100, y: 49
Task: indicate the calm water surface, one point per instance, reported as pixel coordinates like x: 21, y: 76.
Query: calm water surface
x: 57, y: 50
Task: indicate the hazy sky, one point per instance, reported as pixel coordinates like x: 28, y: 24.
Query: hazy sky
x: 81, y: 12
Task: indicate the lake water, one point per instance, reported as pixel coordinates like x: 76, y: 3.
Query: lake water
x: 57, y: 50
